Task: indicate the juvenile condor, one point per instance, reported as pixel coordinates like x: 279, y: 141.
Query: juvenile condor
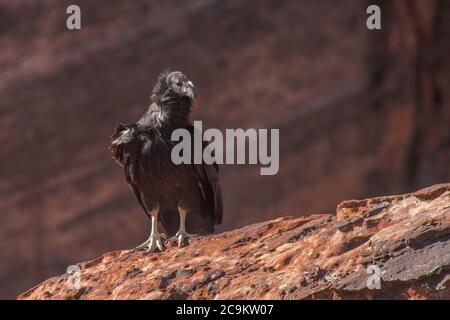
x: 177, y: 198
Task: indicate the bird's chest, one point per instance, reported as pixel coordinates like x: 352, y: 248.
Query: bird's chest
x: 161, y: 167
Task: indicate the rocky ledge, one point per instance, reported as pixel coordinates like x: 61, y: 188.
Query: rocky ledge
x: 395, y: 247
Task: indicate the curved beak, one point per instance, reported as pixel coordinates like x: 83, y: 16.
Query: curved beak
x: 189, y: 90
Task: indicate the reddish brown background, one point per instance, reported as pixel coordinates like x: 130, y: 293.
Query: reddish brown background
x: 361, y: 113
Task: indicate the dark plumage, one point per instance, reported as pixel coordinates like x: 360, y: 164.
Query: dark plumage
x: 163, y: 189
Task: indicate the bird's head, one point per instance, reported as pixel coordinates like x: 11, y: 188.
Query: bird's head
x: 173, y: 86
x: 180, y: 85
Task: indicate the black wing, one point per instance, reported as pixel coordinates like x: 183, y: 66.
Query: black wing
x: 126, y: 145
x: 209, y: 179
x: 129, y: 144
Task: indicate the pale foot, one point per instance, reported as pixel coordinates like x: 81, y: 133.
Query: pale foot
x: 153, y: 242
x: 181, y: 236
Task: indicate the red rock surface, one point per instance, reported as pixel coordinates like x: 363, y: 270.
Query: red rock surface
x: 320, y: 256
x: 361, y: 113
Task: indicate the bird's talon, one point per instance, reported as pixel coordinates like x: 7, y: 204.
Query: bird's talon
x: 153, y: 242
x: 181, y: 236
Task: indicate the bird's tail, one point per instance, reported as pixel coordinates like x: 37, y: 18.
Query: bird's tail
x: 195, y: 222
x: 198, y: 223
x: 170, y: 221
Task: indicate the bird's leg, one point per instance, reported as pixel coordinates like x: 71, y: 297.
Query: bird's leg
x: 154, y: 240
x: 182, y: 235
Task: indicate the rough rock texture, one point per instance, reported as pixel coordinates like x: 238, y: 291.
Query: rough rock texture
x: 321, y: 256
x: 361, y: 113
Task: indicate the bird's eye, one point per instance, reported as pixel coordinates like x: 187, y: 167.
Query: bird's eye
x: 179, y: 83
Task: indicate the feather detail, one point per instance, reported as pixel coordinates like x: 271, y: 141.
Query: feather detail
x: 123, y: 135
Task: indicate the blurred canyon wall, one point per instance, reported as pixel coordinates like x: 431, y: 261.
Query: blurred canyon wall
x: 361, y: 113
